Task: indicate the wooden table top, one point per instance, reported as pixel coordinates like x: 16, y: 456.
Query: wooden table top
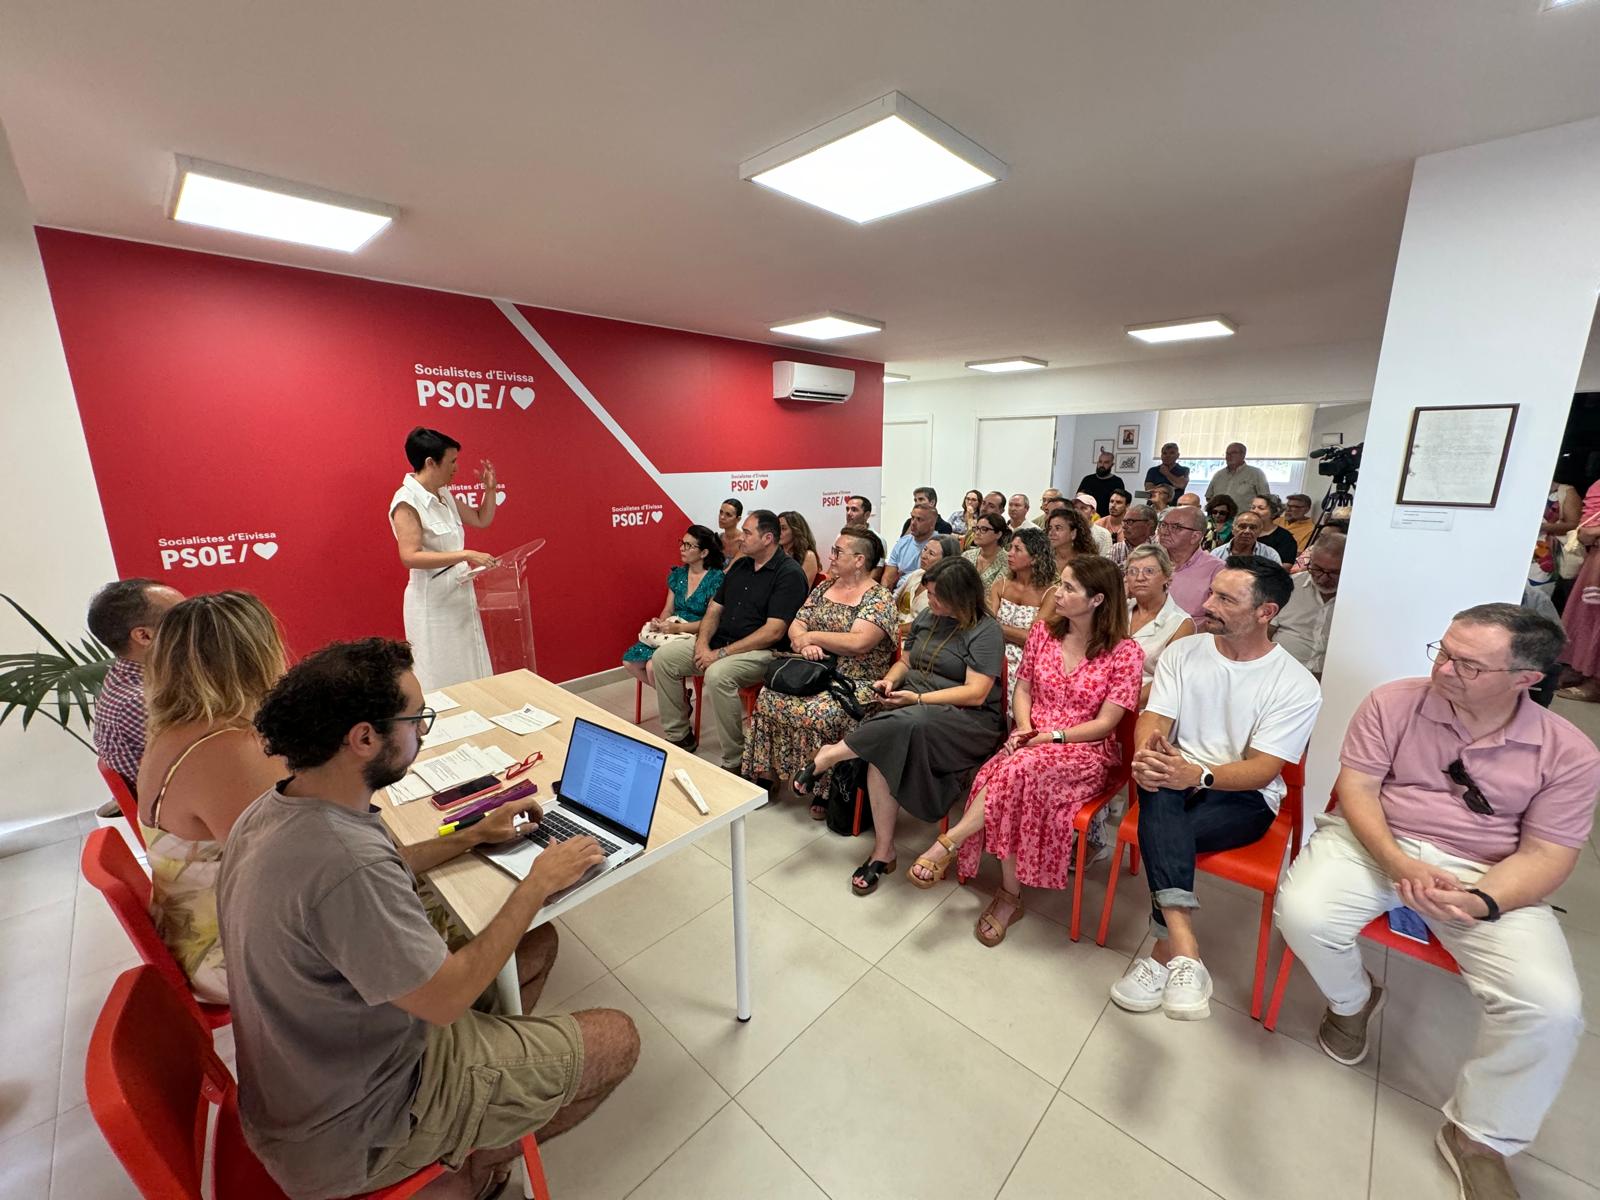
x: 472, y: 888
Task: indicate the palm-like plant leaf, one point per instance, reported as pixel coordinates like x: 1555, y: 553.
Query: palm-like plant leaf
x: 71, y: 677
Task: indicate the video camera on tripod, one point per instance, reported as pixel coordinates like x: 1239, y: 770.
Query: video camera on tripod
x: 1342, y: 463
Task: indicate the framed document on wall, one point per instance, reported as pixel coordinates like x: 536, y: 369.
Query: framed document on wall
x: 1456, y: 456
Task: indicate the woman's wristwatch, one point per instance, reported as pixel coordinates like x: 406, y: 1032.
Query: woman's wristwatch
x: 1058, y: 736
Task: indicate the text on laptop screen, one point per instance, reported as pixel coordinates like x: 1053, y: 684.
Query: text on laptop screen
x: 613, y: 775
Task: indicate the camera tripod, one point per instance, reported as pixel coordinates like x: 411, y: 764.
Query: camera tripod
x: 1340, y: 495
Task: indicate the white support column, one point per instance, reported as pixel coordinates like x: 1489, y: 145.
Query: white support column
x: 1494, y: 292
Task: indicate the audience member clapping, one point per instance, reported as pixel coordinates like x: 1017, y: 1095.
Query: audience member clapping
x: 798, y: 542
x: 851, y: 619
x: 1156, y: 618
x: 988, y: 551
x: 690, y: 586
x: 1078, y: 677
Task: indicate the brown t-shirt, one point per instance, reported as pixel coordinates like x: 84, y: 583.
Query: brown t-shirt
x: 322, y: 928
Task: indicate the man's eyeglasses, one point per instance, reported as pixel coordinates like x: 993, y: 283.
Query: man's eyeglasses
x: 1324, y: 573
x: 1175, y: 527
x: 1465, y: 668
x: 424, y: 720
x: 1472, y: 797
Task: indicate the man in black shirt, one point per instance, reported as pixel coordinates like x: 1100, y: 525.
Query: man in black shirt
x: 1102, y: 483
x: 746, y: 622
x: 926, y: 495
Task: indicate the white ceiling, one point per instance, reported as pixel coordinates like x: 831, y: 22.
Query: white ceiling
x: 1168, y: 158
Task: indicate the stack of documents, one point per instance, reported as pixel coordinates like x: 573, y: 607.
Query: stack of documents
x: 526, y: 719
x: 454, y: 728
x: 458, y: 766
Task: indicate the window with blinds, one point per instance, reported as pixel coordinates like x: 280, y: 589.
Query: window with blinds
x: 1267, y: 430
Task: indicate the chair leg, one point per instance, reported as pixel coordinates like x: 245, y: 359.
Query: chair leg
x: 1077, y: 885
x: 638, y: 701
x: 535, y: 1168
x: 855, y: 826
x: 1111, y: 892
x: 699, y: 702
x: 1133, y: 860
x: 1278, y: 988
x: 1263, y: 944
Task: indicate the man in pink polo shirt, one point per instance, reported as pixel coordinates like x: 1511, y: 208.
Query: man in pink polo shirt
x: 1464, y: 800
x: 1181, y: 533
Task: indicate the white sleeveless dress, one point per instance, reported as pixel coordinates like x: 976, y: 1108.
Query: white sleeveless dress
x: 441, y: 608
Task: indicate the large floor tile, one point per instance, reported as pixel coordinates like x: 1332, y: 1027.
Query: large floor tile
x: 620, y: 922
x: 38, y: 878
x: 576, y: 967
x: 1580, y: 894
x: 1130, y: 916
x: 654, y: 1111
x: 35, y: 949
x: 1199, y: 1093
x: 1073, y: 1144
x: 729, y: 1159
x: 815, y: 883
x: 1430, y: 1022
x: 1585, y: 947
x: 98, y: 940
x: 1036, y: 996
x: 1304, y: 1006
x: 686, y: 981
x: 84, y: 1165
x: 1406, y: 1163
x: 25, y: 1163
x: 86, y: 995
x: 1567, y: 1139
x: 772, y: 834
x: 887, y: 1096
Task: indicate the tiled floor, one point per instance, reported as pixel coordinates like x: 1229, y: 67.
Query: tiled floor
x: 890, y: 1054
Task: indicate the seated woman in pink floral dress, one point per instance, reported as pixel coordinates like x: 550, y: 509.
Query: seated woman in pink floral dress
x: 1080, y: 673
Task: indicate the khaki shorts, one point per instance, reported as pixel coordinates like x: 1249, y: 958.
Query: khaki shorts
x: 485, y: 1082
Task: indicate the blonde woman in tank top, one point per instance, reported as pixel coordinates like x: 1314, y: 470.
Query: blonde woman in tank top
x: 213, y: 660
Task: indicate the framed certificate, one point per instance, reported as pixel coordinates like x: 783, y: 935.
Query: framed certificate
x: 1456, y: 456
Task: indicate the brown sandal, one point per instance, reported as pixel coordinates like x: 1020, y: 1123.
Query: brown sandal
x: 936, y: 870
x: 988, y: 930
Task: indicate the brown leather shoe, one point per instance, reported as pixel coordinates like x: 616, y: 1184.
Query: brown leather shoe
x: 1480, y: 1175
x: 1347, y: 1039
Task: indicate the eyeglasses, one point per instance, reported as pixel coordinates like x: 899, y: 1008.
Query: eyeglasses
x: 1176, y: 527
x: 1472, y: 797
x: 1324, y: 573
x: 1464, y: 667
x: 1142, y: 572
x: 424, y: 720
x: 688, y: 545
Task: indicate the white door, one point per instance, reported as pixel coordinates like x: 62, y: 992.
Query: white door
x: 907, y: 465
x: 1016, y: 454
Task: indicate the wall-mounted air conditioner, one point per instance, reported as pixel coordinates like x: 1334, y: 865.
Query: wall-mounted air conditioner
x: 806, y: 381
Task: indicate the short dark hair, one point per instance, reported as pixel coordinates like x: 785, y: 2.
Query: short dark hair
x: 866, y: 505
x: 1153, y: 488
x: 307, y: 715
x: 1274, y: 505
x: 710, y: 543
x: 766, y: 522
x: 1127, y: 496
x: 960, y: 589
x: 1299, y: 496
x: 423, y: 443
x: 118, y: 609
x: 927, y: 490
x: 1269, y: 582
x: 996, y: 521
x: 868, y: 544
x: 1536, y: 641
x: 736, y: 504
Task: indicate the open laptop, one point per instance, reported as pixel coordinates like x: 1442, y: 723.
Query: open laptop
x: 608, y: 789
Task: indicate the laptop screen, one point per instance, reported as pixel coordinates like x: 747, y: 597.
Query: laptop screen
x: 613, y: 775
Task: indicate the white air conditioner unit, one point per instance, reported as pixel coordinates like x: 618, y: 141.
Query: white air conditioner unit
x: 806, y: 381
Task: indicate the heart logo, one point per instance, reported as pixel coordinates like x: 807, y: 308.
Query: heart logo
x: 656, y: 516
x: 522, y: 397
x: 265, y: 549
x: 500, y: 498
x: 763, y: 484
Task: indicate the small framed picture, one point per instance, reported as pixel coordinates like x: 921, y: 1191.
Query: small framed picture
x: 1128, y: 462
x: 1103, y: 446
x: 1127, y: 437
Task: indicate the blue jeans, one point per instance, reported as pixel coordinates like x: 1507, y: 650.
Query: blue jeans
x: 1176, y: 826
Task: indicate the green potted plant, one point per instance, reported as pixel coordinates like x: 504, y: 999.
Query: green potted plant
x: 61, y: 682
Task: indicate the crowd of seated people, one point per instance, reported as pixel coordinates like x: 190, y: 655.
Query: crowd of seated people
x: 913, y: 597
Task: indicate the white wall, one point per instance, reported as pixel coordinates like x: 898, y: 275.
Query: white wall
x: 1089, y: 428
x: 54, y: 546
x: 1339, y: 373
x: 1494, y: 294
x: 1349, y: 420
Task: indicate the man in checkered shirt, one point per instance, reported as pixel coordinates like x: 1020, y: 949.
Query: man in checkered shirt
x: 124, y: 616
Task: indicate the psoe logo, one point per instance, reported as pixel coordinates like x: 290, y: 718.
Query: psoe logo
x: 471, y: 494
x: 748, y: 481
x: 458, y: 387
x: 635, y: 516
x: 216, y: 550
x: 835, y: 499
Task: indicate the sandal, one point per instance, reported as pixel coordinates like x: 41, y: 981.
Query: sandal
x: 936, y: 870
x: 1581, y: 692
x: 819, y: 812
x: 802, y: 782
x: 869, y: 873
x: 988, y: 930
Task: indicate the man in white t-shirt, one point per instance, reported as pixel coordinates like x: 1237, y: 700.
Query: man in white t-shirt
x: 1227, y: 710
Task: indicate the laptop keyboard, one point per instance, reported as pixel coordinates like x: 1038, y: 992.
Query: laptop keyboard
x: 556, y: 828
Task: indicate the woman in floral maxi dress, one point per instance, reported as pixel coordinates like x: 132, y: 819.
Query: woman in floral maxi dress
x: 1080, y: 673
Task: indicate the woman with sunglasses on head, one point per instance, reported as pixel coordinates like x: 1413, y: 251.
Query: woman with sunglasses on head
x: 1222, y: 510
x: 691, y: 586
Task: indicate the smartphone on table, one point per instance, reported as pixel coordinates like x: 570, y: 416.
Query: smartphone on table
x: 461, y: 793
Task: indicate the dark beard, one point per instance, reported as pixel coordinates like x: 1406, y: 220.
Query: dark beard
x: 389, y: 767
x: 1102, y: 472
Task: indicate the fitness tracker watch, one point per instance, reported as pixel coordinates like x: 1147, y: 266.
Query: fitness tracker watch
x: 1494, y: 909
x: 1207, y: 779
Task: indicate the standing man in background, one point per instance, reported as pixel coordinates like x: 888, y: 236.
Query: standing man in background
x: 1168, y: 471
x: 1238, y: 480
x: 1100, y: 483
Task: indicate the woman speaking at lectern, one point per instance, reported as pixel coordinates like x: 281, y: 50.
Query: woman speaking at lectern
x: 441, y: 609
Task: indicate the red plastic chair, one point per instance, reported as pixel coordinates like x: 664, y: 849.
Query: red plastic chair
x: 699, y: 701
x: 152, y: 1076
x: 110, y: 866
x: 121, y: 793
x: 1375, y: 930
x: 1121, y: 777
x: 1258, y: 865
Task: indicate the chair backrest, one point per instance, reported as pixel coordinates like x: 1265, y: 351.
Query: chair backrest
x: 110, y: 866
x: 123, y: 795
x: 151, y: 1076
x: 1125, y: 734
x: 1294, y: 797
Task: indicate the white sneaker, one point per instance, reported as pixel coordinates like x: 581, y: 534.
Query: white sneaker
x: 1142, y: 988
x: 1187, y: 996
